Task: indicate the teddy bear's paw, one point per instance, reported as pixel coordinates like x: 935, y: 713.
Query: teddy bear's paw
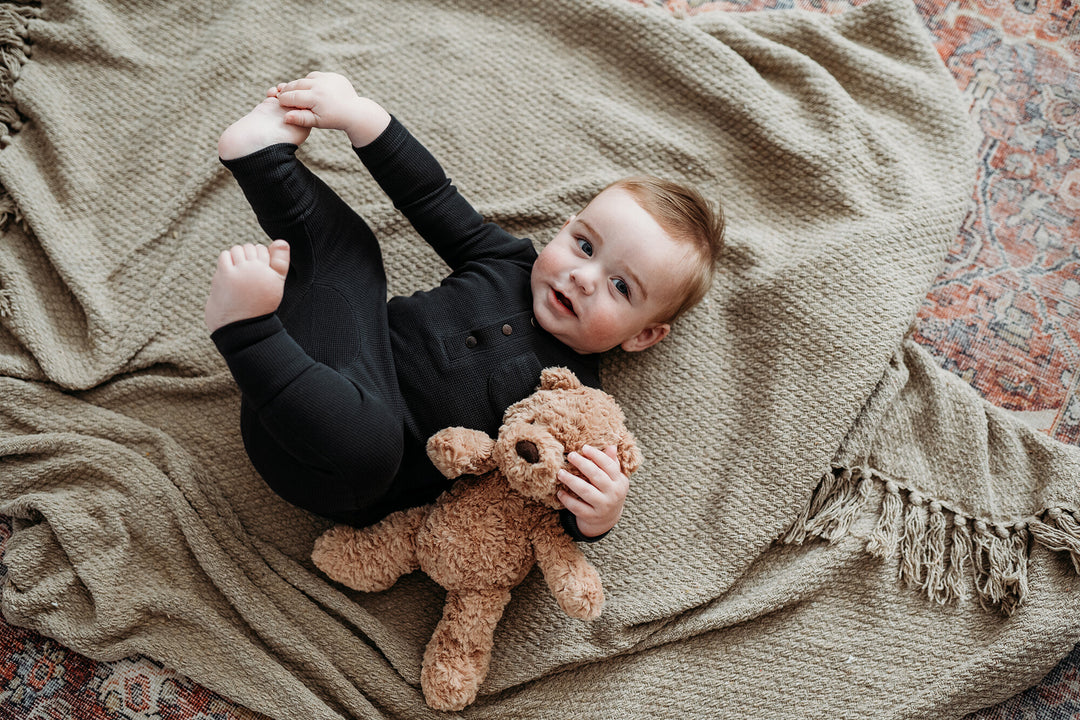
x: 362, y: 558
x: 458, y: 451
x: 450, y: 684
x: 583, y: 601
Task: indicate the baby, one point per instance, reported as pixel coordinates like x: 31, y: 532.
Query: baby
x: 341, y: 388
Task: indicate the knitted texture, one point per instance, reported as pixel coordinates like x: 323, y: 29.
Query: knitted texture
x: 842, y: 155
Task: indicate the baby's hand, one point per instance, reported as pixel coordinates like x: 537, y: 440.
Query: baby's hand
x: 328, y: 100
x: 597, y: 500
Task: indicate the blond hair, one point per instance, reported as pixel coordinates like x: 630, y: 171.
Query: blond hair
x: 688, y: 218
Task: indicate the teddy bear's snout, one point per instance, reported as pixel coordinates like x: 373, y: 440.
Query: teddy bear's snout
x: 530, y: 457
x: 527, y: 451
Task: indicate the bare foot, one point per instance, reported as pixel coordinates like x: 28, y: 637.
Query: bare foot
x: 249, y: 282
x: 264, y: 126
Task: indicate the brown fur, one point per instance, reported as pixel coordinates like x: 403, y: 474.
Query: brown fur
x: 482, y: 536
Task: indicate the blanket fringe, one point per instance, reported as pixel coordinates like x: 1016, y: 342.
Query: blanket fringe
x: 942, y: 551
x: 15, y: 50
x: 9, y: 211
x: 832, y: 509
x: 1059, y: 531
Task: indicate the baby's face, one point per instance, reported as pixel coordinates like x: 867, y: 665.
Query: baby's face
x: 607, y: 276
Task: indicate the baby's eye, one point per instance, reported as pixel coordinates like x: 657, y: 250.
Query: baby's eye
x: 585, y: 245
x: 621, y: 286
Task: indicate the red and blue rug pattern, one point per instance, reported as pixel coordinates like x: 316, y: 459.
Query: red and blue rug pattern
x: 1004, y: 315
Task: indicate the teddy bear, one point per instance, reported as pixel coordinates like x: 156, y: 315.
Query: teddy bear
x: 483, y: 535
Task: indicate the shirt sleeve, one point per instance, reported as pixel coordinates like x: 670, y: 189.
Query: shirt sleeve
x: 418, y: 186
x: 569, y: 523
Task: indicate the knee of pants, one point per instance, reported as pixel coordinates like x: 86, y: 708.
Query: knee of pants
x: 372, y: 461
x: 350, y: 471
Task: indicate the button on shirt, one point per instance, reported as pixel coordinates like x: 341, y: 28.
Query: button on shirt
x: 456, y: 363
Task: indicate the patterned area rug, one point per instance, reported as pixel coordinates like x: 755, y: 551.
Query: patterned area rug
x: 1004, y: 315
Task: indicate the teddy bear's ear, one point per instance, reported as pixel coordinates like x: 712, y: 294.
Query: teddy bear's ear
x: 629, y: 455
x: 558, y: 378
x: 460, y: 451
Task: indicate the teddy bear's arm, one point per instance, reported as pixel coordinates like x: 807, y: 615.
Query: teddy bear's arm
x: 371, y: 558
x: 458, y: 451
x: 573, y: 581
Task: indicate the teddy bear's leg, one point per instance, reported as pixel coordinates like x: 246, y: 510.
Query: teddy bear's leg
x: 573, y: 581
x: 371, y: 558
x: 457, y: 657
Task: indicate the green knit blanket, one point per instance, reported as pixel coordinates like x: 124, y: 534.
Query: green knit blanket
x: 826, y: 524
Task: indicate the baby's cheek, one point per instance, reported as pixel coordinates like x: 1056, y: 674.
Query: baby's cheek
x: 606, y: 321
x: 548, y: 260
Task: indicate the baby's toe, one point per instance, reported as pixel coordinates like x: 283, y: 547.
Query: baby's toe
x: 225, y: 260
x: 279, y: 257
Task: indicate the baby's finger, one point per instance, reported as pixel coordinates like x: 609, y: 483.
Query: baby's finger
x: 573, y: 504
x: 606, y: 462
x: 297, y: 98
x: 584, y: 489
x: 301, y: 118
x: 294, y: 85
x: 587, y: 472
x: 589, y: 469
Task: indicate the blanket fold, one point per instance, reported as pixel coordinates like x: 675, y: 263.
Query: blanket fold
x: 843, y: 157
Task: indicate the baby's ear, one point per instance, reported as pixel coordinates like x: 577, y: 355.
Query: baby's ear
x: 460, y: 451
x: 646, y: 338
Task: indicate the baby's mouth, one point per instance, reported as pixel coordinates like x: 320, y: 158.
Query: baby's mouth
x: 565, y: 302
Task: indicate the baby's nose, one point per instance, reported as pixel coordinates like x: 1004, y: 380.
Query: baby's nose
x: 584, y: 280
